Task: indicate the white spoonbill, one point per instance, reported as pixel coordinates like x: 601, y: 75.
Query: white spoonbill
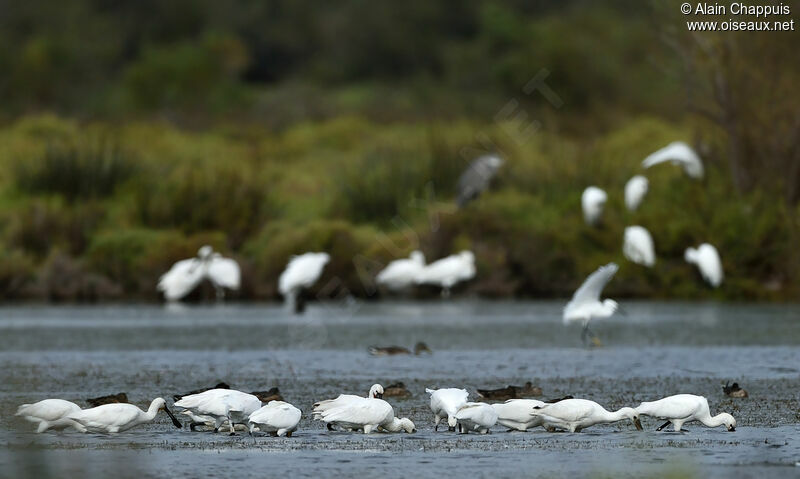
x: 516, y: 413
x: 683, y: 408
x: 635, y: 189
x: 477, y: 417
x: 319, y: 408
x: 593, y: 200
x: 277, y: 417
x: 638, y: 246
x: 220, y: 405
x: 185, y: 275
x: 301, y: 273
x: 445, y: 403
x: 575, y: 415
x: 118, y: 417
x: 586, y: 305
x: 706, y: 258
x: 449, y: 271
x: 476, y: 178
x: 367, y: 414
x: 679, y: 153
x: 49, y: 414
x: 400, y: 273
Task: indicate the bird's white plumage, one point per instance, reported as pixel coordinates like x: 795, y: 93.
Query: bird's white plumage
x: 516, y: 413
x: 276, y: 416
x: 707, y: 260
x: 449, y: 271
x: 476, y: 177
x: 301, y: 272
x: 682, y: 408
x: 593, y: 200
x: 401, y: 273
x: 638, y: 246
x: 446, y: 402
x: 679, y: 153
x: 221, y: 405
x: 635, y: 190
x: 49, y: 414
x: 224, y: 272
x: 375, y: 391
x: 185, y: 275
x: 577, y: 414
x: 476, y: 417
x: 117, y: 417
x: 585, y: 304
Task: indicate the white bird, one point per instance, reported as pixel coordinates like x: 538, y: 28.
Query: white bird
x: 220, y: 405
x: 319, y: 408
x: 185, y: 275
x: 476, y: 416
x: 400, y: 273
x: 352, y: 412
x: 49, y: 414
x: 476, y: 178
x: 586, y: 305
x: 445, y: 403
x: 638, y: 246
x: 679, y: 153
x: 706, y: 258
x: 575, y: 415
x: 635, y: 189
x: 277, y: 417
x: 683, y: 408
x: 448, y: 271
x: 516, y: 413
x: 593, y: 201
x: 118, y: 417
x: 301, y: 272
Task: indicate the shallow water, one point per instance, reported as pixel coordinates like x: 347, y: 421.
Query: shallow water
x: 656, y: 350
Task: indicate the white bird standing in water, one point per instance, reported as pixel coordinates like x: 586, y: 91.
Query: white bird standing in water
x: 635, y: 190
x: 49, y: 414
x: 679, y: 153
x: 445, y: 403
x: 277, y: 417
x: 706, y: 258
x: 638, y: 246
x: 185, y: 275
x: 516, y: 413
x: 476, y: 178
x: 118, y: 417
x: 476, y: 417
x: 400, y: 273
x: 449, y: 271
x: 574, y: 415
x: 593, y: 201
x: 301, y: 273
x: 351, y: 412
x: 683, y: 408
x: 221, y: 406
x: 586, y: 305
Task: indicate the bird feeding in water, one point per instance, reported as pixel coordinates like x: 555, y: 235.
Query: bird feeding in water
x: 638, y: 246
x: 734, y: 391
x: 301, y: 273
x: 217, y: 407
x: 635, y: 190
x: 593, y: 200
x: 445, y: 403
x: 187, y: 274
x: 49, y: 414
x: 119, y: 417
x: 449, y: 271
x: 682, y: 408
x: 277, y: 418
x: 400, y: 273
x: 109, y: 399
x: 575, y: 415
x: 678, y: 153
x: 419, y: 348
x: 706, y: 258
x: 585, y: 304
x: 476, y: 178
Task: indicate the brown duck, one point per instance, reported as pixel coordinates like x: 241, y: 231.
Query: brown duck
x: 397, y: 390
x: 419, y: 348
x: 177, y: 397
x: 511, y: 392
x: 273, y: 394
x: 734, y: 390
x: 110, y: 399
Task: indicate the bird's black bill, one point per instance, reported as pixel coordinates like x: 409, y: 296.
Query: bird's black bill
x: 638, y: 424
x: 731, y: 429
x: 378, y: 395
x: 172, y: 416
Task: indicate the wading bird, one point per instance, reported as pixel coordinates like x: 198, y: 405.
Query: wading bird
x: 119, y: 417
x: 445, y: 403
x: 635, y: 190
x: 516, y: 414
x: 510, y: 392
x: 49, y: 414
x: 476, y: 178
x: 350, y: 412
x: 574, y: 415
x: 400, y: 273
x: 586, y: 305
x: 683, y: 408
x: 419, y: 348
x: 277, y: 418
x: 638, y: 246
x: 475, y: 417
x: 706, y: 258
x: 301, y: 273
x: 449, y: 271
x: 110, y: 399
x: 375, y: 392
x: 678, y: 153
x: 593, y: 200
x: 185, y: 275
x: 219, y: 406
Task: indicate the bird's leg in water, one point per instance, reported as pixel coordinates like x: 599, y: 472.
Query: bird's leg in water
x: 330, y: 426
x: 445, y: 292
x: 585, y: 334
x: 663, y: 426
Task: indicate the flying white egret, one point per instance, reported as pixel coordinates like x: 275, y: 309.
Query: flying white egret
x: 449, y: 271
x: 575, y: 415
x: 277, y: 417
x: 635, y: 189
x: 301, y: 273
x: 118, y: 417
x: 683, y: 408
x: 477, y: 417
x: 638, y: 246
x: 593, y: 201
x: 49, y: 414
x: 220, y: 406
x: 706, y: 258
x: 476, y: 178
x: 400, y: 273
x: 586, y: 305
x: 445, y: 403
x: 185, y: 275
x: 679, y: 153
